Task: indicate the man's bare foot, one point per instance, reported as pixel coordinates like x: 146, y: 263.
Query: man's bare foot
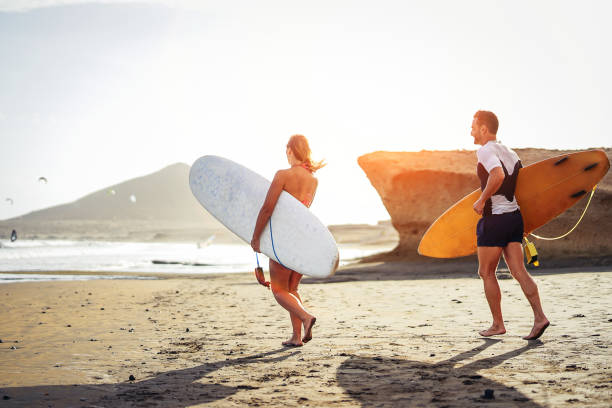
x: 492, y: 331
x: 537, y: 330
x: 292, y: 343
x: 308, y: 329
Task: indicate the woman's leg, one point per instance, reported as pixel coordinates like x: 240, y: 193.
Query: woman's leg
x: 280, y: 282
x: 296, y: 322
x: 294, y: 281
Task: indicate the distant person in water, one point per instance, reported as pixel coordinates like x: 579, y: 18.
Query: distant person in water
x: 299, y: 181
x: 500, y: 230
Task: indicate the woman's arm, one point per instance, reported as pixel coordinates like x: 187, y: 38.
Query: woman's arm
x: 267, y: 208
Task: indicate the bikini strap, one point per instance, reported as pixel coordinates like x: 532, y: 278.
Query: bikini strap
x: 306, y: 167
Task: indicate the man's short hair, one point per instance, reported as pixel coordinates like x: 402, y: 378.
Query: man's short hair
x: 488, y: 119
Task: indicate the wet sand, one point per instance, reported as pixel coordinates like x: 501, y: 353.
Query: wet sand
x: 216, y: 341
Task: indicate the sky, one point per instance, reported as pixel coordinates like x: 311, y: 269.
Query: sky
x: 96, y: 93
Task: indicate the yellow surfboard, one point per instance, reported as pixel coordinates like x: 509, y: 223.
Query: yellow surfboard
x: 543, y: 191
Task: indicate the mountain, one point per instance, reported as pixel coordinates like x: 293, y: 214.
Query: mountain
x: 163, y: 195
x: 157, y: 206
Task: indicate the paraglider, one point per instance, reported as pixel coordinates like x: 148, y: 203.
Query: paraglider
x: 13, y: 236
x: 42, y: 179
x: 10, y: 200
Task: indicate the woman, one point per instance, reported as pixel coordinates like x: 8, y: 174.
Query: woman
x: 300, y: 182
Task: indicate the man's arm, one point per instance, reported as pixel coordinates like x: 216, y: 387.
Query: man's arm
x: 494, y: 182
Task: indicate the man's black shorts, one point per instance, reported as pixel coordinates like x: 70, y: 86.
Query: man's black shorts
x: 498, y: 230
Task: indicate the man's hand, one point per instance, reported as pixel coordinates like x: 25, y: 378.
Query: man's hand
x: 479, y: 206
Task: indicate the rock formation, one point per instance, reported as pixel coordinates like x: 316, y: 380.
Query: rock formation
x: 417, y: 187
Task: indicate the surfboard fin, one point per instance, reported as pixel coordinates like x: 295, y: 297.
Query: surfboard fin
x: 531, y: 253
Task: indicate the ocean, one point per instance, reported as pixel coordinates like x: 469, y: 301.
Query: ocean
x: 36, y: 256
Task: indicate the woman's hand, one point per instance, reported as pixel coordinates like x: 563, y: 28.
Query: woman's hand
x: 255, y: 244
x: 261, y: 278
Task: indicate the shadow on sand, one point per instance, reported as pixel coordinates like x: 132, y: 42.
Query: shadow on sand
x: 377, y: 381
x: 174, y: 389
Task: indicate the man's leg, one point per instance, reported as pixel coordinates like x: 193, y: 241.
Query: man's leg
x: 488, y: 258
x: 513, y: 254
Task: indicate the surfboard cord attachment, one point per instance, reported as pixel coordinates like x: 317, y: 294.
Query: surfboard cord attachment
x: 274, y: 249
x: 573, y: 228
x: 531, y: 252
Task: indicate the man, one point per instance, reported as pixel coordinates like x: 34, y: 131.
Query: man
x: 500, y: 230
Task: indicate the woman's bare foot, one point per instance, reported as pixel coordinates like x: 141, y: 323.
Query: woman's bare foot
x: 293, y: 342
x: 492, y: 331
x: 537, y: 330
x: 308, y: 329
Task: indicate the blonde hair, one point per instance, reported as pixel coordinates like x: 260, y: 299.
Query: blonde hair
x: 301, y: 150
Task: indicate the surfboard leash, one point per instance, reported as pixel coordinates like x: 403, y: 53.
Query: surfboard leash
x: 574, y: 227
x: 274, y: 249
x: 531, y: 252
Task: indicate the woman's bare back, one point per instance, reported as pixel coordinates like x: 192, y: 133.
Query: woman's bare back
x: 301, y: 184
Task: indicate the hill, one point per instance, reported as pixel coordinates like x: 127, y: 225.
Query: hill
x: 158, y: 206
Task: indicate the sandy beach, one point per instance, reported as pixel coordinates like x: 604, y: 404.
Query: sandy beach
x: 381, y: 339
x: 145, y: 143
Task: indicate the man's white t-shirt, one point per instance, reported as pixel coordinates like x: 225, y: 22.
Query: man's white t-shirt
x: 491, y: 155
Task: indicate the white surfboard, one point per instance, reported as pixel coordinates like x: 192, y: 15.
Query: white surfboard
x: 294, y: 237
